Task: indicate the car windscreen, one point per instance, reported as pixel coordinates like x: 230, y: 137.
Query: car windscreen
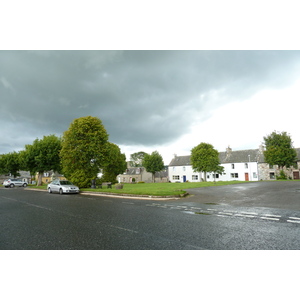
x: 65, y: 182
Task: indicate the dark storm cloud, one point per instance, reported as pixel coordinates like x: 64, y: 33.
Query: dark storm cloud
x: 142, y: 97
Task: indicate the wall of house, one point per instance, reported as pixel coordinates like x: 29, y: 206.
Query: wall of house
x: 177, y: 174
x: 234, y: 171
x: 237, y: 171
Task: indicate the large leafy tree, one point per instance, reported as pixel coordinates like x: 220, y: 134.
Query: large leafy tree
x: 205, y: 158
x: 10, y: 164
x: 84, y: 150
x: 153, y: 163
x: 42, y: 156
x: 136, y: 159
x: 116, y: 164
x: 279, y: 150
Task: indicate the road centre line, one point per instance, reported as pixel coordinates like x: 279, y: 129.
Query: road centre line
x: 123, y: 228
x: 225, y: 213
x: 293, y: 221
x: 274, y: 216
x: 267, y: 218
x: 128, y: 202
x: 246, y: 216
x: 294, y: 218
x: 248, y: 213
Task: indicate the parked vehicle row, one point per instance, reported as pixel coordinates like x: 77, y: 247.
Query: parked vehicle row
x: 56, y: 186
x: 14, y: 182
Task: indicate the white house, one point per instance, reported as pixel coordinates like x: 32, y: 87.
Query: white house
x: 244, y: 165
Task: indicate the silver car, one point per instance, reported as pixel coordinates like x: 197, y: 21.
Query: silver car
x: 14, y: 182
x: 62, y: 187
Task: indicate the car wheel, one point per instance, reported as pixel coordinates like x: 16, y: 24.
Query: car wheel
x: 61, y: 191
x: 12, y: 185
x: 25, y: 184
x: 49, y: 190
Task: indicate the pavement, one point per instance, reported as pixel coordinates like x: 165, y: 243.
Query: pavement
x: 112, y: 195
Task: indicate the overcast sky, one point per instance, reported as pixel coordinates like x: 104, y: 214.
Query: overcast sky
x: 169, y: 101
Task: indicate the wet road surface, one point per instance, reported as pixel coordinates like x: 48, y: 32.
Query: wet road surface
x: 246, y: 216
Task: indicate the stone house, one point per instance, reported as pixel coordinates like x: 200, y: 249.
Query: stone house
x: 244, y: 165
x: 138, y: 174
x: 49, y: 176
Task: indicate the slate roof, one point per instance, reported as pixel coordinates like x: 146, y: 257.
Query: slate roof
x: 181, y: 161
x: 239, y: 156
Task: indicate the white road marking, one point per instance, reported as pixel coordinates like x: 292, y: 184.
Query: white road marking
x: 267, y: 218
x: 293, y: 221
x: 123, y: 228
x: 246, y: 216
x: 225, y: 213
x: 128, y: 202
x: 222, y: 216
x: 211, y: 209
x: 248, y: 213
x: 294, y: 218
x: 274, y: 216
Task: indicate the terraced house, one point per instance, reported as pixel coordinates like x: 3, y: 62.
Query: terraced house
x: 244, y: 165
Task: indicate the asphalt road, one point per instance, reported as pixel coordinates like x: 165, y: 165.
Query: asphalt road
x: 244, y: 216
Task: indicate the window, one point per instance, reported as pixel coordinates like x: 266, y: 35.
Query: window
x: 272, y: 175
x: 195, y: 177
x: 174, y: 168
x: 271, y: 167
x: 254, y: 175
x: 232, y: 166
x: 234, y: 175
x: 176, y: 177
x: 216, y: 175
x: 183, y: 168
x: 246, y: 166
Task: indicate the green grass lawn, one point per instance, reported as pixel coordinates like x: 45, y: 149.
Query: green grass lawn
x: 154, y: 189
x: 160, y: 189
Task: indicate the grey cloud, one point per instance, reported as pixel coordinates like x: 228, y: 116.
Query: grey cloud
x: 142, y: 97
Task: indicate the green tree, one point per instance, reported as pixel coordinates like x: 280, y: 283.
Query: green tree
x: 136, y: 159
x: 10, y: 164
x: 205, y: 158
x: 153, y: 163
x: 279, y: 150
x: 84, y: 150
x: 115, y: 165
x: 42, y: 156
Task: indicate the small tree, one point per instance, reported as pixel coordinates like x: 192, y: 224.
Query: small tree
x: 153, y: 163
x: 116, y: 164
x: 84, y: 150
x: 279, y: 150
x: 42, y: 156
x: 136, y: 159
x: 10, y: 164
x: 205, y: 158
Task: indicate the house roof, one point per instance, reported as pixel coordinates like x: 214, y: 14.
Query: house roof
x: 229, y: 156
x: 181, y: 161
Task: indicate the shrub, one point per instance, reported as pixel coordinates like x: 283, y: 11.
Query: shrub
x: 282, y: 176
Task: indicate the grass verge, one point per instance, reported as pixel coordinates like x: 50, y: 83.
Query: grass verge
x: 155, y: 189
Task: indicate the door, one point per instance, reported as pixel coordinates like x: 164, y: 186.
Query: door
x: 246, y: 176
x: 184, y: 178
x: 296, y: 175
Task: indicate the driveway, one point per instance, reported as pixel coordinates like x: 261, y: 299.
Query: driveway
x: 273, y: 194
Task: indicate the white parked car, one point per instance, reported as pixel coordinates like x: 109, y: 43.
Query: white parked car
x: 14, y: 182
x: 62, y: 187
